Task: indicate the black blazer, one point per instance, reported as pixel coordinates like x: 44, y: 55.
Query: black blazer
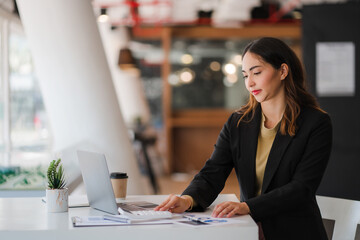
x: 287, y: 207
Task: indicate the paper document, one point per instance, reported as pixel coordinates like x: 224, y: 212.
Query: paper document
x: 89, y: 221
x: 202, y: 220
x: 335, y: 69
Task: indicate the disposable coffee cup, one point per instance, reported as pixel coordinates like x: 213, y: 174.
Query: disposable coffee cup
x: 119, y: 184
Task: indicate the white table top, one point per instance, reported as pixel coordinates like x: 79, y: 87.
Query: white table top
x: 27, y: 218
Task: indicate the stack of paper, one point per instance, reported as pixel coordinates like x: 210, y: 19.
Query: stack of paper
x: 115, y: 220
x: 193, y: 220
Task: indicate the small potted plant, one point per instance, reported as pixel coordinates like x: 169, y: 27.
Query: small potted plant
x: 56, y: 192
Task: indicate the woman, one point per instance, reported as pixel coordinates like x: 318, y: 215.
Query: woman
x: 279, y: 144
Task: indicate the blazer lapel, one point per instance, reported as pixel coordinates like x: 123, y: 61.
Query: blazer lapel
x: 276, y: 153
x: 277, y: 150
x: 249, y: 138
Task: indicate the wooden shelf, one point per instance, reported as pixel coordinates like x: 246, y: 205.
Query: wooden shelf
x: 199, y: 118
x: 291, y: 31
x: 206, y: 32
x: 191, y: 134
x: 196, y: 122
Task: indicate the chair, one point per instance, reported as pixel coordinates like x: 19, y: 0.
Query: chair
x: 345, y: 213
x: 145, y: 141
x: 329, y: 225
x: 357, y: 234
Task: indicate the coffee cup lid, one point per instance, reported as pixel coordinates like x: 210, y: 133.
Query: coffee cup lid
x: 116, y: 175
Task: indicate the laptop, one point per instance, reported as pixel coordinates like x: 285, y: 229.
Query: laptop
x: 98, y: 186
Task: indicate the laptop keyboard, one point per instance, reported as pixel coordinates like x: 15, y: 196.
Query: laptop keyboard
x: 142, y: 211
x: 136, y: 206
x: 152, y: 213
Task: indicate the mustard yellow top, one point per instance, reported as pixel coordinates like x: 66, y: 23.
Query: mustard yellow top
x: 265, y: 140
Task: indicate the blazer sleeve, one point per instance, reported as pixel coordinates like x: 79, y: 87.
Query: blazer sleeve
x: 209, y: 182
x: 306, y: 178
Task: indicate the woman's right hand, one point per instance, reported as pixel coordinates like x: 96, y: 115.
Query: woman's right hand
x: 175, y: 204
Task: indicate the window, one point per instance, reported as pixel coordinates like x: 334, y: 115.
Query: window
x: 25, y: 138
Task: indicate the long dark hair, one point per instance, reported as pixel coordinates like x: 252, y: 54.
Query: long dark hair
x: 276, y: 52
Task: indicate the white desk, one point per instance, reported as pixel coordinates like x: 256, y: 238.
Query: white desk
x: 27, y: 218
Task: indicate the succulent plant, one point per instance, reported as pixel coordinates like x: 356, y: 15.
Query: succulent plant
x: 55, y: 175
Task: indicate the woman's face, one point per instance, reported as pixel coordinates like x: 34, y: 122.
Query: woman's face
x: 262, y: 80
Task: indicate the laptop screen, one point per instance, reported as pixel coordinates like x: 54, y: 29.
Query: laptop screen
x: 97, y: 182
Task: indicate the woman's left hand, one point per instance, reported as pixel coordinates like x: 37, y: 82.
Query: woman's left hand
x: 229, y: 209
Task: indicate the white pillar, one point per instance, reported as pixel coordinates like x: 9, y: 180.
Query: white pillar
x: 128, y: 85
x: 76, y: 83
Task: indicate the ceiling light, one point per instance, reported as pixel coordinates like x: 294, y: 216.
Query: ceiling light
x: 187, y: 75
x: 237, y: 59
x: 174, y: 79
x: 126, y: 59
x: 229, y: 68
x: 215, y: 66
x: 103, y: 16
x: 232, y: 78
x: 187, y: 59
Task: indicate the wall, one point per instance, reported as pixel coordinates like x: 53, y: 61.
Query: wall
x: 337, y: 23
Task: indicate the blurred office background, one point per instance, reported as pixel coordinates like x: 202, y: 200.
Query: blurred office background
x: 176, y: 70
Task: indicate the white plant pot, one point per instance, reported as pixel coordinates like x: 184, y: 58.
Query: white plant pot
x: 57, y: 200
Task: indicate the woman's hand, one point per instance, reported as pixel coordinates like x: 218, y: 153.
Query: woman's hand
x: 175, y: 204
x: 229, y: 209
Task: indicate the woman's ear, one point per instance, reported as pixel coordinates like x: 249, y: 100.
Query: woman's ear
x: 284, y: 70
